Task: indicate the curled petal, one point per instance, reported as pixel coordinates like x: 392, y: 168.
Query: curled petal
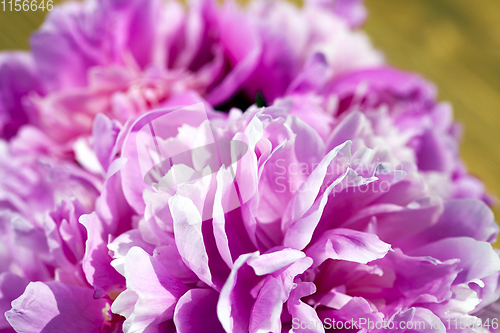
x: 56, y: 307
x: 349, y: 245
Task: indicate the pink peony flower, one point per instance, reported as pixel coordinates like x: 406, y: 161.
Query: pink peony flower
x: 402, y: 108
x: 144, y: 191
x: 306, y: 219
x: 122, y: 59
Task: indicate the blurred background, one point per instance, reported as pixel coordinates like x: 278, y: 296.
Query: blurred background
x: 454, y: 43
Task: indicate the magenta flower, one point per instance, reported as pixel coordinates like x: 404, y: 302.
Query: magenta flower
x: 18, y: 80
x: 122, y: 59
x: 219, y: 169
x: 343, y: 236
x: 402, y: 108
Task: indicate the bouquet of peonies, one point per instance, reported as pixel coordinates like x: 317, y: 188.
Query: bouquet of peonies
x: 213, y: 168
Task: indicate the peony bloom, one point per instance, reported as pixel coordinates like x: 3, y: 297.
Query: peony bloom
x: 219, y: 169
x: 122, y: 59
x: 427, y: 125
x: 402, y: 108
x: 41, y: 200
x: 341, y: 233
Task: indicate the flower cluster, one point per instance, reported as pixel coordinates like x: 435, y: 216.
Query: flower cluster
x: 216, y: 168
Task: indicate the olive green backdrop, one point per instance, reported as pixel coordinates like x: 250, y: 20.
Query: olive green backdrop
x: 455, y: 43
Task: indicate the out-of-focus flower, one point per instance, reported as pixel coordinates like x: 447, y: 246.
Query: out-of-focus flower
x: 402, y: 108
x: 122, y: 59
x: 18, y: 81
x: 41, y: 200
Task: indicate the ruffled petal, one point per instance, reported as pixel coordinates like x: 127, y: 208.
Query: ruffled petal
x: 151, y: 295
x: 56, y: 307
